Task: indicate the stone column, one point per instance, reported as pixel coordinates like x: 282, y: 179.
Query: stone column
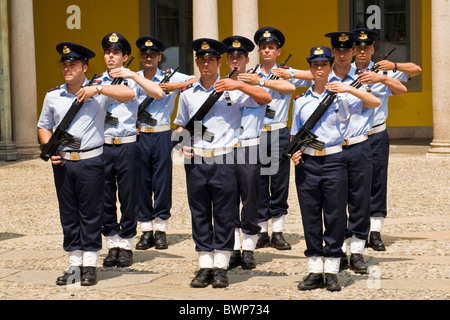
x: 7, y: 148
x: 245, y: 23
x: 205, y: 21
x: 440, y: 55
x: 23, y: 79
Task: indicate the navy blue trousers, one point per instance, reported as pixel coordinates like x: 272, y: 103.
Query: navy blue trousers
x: 359, y: 169
x: 212, y: 193
x: 274, y: 187
x: 248, y: 171
x: 121, y: 177
x: 156, y: 176
x: 80, y: 190
x: 321, y: 189
x: 379, y: 143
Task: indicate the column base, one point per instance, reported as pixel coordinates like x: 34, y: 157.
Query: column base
x: 28, y: 150
x: 439, y: 148
x: 8, y: 152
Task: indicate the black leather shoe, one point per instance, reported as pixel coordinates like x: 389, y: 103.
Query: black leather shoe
x: 248, y: 260
x: 235, y: 259
x: 111, y: 259
x: 89, y: 276
x: 146, y: 241
x: 160, y: 240
x: 312, y: 281
x: 375, y: 241
x: 343, y: 264
x: 125, y: 258
x: 203, y: 278
x: 331, y: 282
x: 74, y: 272
x: 279, y: 242
x: 263, y: 241
x: 357, y: 263
x: 220, y: 279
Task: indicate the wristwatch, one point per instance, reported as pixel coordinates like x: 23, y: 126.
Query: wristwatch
x: 292, y: 74
x: 99, y: 89
x: 262, y: 81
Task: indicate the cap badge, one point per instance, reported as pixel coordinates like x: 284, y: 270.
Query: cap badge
x: 205, y: 45
x: 114, y: 38
x: 266, y: 34
x: 236, y: 44
x: 363, y: 36
x: 66, y: 50
x: 318, y: 51
x: 344, y: 37
x: 149, y: 43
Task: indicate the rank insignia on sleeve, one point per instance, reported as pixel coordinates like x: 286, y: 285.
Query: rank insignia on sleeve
x: 299, y: 96
x: 188, y: 87
x: 53, y: 89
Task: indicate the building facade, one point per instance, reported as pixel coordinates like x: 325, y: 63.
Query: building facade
x: 36, y: 27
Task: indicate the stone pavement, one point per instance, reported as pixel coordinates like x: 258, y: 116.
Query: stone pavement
x: 416, y: 265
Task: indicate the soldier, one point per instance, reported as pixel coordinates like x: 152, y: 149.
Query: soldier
x: 248, y: 166
x: 323, y: 176
x: 210, y: 167
x: 378, y: 137
x: 355, y: 125
x: 122, y: 154
x: 275, y: 170
x: 79, y: 174
x: 155, y: 145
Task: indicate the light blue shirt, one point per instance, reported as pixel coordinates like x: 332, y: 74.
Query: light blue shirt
x: 361, y: 119
x: 88, y: 124
x: 381, y: 91
x: 223, y: 120
x: 252, y: 122
x: 126, y: 112
x: 328, y: 128
x: 280, y: 103
x: 162, y: 109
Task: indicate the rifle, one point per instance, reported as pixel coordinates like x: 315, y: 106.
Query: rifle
x: 375, y: 67
x: 200, y: 114
x: 304, y: 136
x: 110, y: 119
x: 143, y: 115
x: 270, y: 113
x: 61, y: 136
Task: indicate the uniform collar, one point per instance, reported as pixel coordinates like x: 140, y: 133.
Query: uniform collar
x: 313, y: 94
x: 351, y: 73
x: 199, y: 86
x: 64, y: 91
x: 259, y: 72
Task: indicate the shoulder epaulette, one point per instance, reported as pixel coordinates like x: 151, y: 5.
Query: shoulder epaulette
x: 188, y: 87
x: 299, y: 96
x: 53, y: 89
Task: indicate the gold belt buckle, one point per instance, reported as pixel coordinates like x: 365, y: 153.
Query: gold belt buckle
x: 267, y: 127
x: 74, y: 156
x: 320, y: 153
x: 117, y: 141
x: 147, y: 129
x: 209, y: 153
x: 345, y: 142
